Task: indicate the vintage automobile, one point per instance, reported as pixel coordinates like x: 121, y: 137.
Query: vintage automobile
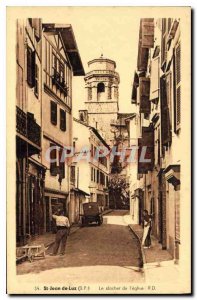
x: 91, y: 214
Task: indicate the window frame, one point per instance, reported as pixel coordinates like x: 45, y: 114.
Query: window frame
x: 53, y: 113
x: 62, y: 120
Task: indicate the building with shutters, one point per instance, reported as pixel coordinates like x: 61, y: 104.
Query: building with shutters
x: 89, y: 176
x: 156, y: 95
x: 61, y: 61
x: 30, y: 171
x: 47, y: 58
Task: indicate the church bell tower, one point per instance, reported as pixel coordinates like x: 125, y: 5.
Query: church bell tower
x: 101, y: 83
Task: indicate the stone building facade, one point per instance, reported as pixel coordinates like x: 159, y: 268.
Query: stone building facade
x: 156, y: 95
x: 45, y: 67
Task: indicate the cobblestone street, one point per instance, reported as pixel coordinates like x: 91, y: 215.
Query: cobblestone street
x: 93, y: 254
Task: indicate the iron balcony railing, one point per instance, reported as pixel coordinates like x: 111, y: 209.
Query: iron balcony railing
x: 27, y: 126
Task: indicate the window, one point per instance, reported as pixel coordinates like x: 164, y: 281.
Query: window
x: 102, y: 178
x: 30, y: 67
x: 92, y: 174
x: 165, y: 112
x: 36, y: 88
x: 53, y: 113
x: 100, y: 87
x: 144, y: 95
x: 81, y: 117
x: 177, y: 87
x: 97, y: 179
x: 72, y: 174
x: 53, y: 164
x: 58, y: 75
x: 62, y: 120
x: 92, y: 150
x: 61, y: 164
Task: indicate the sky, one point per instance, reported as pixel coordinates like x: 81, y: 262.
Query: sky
x: 112, y: 31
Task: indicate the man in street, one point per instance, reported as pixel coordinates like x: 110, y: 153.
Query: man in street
x: 63, y: 227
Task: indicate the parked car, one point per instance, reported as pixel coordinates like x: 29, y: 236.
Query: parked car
x: 91, y: 214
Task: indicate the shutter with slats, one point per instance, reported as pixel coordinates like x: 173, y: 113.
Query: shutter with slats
x: 147, y: 141
x: 154, y: 83
x: 144, y: 94
x: 31, y: 67
x: 53, y: 113
x: 142, y: 61
x: 177, y: 87
x: 134, y: 89
x: 37, y: 25
x: 165, y: 114
x: 61, y: 164
x: 147, y: 27
x: 62, y: 120
x: 53, y: 165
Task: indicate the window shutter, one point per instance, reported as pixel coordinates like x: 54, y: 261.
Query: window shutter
x: 53, y: 165
x: 97, y: 176
x: 147, y: 27
x: 144, y: 92
x: 62, y: 120
x: 37, y: 25
x: 92, y: 177
x: 36, y: 88
x: 154, y: 83
x: 165, y: 114
x: 53, y: 113
x: 142, y: 60
x: 72, y: 174
x: 30, y: 67
x: 148, y: 141
x: 177, y: 77
x: 134, y: 89
x: 61, y: 164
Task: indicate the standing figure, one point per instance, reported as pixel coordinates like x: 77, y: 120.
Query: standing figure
x: 63, y: 227
x: 146, y: 239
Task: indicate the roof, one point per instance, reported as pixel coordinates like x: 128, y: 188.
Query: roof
x: 102, y: 59
x: 94, y: 130
x: 68, y: 38
x: 77, y: 190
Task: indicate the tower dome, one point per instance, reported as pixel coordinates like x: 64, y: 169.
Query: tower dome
x: 102, y: 80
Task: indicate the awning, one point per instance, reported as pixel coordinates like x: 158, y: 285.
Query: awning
x: 77, y: 190
x: 70, y: 44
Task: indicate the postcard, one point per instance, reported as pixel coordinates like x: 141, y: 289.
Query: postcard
x: 98, y: 150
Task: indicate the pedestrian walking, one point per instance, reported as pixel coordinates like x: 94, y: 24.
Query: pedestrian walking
x: 147, y: 224
x: 63, y: 228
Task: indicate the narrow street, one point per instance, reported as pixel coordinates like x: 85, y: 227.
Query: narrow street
x: 105, y: 254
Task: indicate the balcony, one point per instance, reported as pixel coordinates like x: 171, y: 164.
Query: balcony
x: 27, y: 127
x: 60, y: 84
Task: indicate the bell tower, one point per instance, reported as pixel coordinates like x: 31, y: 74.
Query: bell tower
x: 101, y: 83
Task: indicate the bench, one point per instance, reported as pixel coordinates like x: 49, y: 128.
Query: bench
x: 34, y: 251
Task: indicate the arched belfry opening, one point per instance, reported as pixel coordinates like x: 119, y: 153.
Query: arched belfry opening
x: 100, y: 88
x: 100, y: 91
